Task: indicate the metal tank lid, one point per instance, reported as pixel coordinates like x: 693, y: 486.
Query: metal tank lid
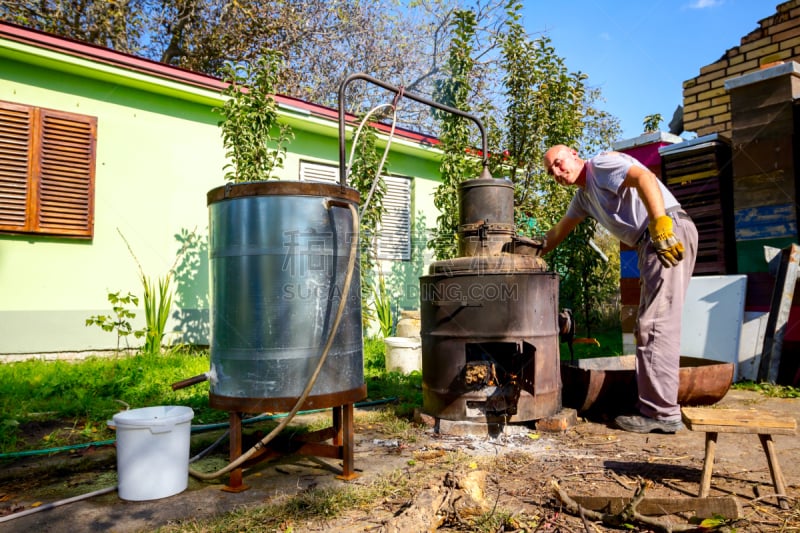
x: 281, y: 188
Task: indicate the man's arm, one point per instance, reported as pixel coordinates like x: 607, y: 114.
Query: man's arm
x: 646, y: 183
x: 668, y: 247
x: 559, y: 232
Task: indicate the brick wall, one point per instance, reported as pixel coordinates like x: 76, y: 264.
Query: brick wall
x: 706, y: 103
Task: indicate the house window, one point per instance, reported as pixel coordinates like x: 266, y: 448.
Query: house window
x: 47, y: 167
x: 318, y: 172
x: 394, y: 232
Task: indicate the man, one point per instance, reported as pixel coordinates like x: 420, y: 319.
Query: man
x: 634, y: 206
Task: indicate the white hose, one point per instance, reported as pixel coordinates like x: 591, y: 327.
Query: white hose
x: 385, y: 151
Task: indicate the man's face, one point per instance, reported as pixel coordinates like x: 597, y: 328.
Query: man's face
x: 562, y: 163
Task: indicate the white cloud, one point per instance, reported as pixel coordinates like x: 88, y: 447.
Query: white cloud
x: 703, y: 4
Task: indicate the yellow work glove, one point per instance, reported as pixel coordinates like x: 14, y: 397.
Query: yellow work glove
x: 668, y: 247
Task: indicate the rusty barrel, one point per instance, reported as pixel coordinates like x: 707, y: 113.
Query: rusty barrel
x: 490, y: 348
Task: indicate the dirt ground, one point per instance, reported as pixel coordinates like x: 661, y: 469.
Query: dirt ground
x: 514, y: 473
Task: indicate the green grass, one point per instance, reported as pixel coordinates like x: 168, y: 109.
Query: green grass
x: 407, y: 389
x: 82, y: 396
x: 610, y: 344
x: 47, y: 404
x: 769, y: 389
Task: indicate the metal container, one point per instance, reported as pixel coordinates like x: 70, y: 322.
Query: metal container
x: 486, y: 216
x: 486, y: 199
x: 605, y: 386
x: 278, y: 258
x: 490, y: 346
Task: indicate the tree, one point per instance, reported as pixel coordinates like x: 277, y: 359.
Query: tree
x: 249, y: 115
x: 322, y: 41
x: 118, y: 25
x: 547, y: 105
x: 455, y: 137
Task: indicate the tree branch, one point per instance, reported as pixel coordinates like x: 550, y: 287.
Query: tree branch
x: 628, y: 514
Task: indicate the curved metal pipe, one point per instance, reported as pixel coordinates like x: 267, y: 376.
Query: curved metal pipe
x: 401, y: 93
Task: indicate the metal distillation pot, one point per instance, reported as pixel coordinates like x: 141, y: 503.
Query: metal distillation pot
x: 490, y: 345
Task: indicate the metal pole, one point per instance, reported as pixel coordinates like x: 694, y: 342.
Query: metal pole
x: 412, y: 96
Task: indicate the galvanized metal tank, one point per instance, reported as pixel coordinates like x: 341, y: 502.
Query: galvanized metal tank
x: 279, y: 253
x: 490, y: 345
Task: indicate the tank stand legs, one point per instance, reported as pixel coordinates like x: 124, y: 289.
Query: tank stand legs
x: 341, y: 434
x: 235, y: 479
x: 345, y: 435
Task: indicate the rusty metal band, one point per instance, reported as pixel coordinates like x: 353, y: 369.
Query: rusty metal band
x: 281, y: 188
x: 283, y: 405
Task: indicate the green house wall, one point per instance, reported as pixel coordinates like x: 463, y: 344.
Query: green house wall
x: 159, y: 152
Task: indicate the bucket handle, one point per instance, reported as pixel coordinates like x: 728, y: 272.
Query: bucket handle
x: 166, y: 428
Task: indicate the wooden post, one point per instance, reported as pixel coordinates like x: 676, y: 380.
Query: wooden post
x: 708, y: 463
x: 780, y: 305
x: 774, y: 469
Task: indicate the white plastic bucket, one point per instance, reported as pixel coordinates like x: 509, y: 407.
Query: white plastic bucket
x: 152, y: 451
x: 403, y: 354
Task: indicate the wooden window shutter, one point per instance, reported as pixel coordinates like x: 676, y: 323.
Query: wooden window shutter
x: 16, y: 134
x: 66, y: 180
x: 56, y: 152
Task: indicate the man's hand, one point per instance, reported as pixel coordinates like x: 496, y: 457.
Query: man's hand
x: 668, y: 247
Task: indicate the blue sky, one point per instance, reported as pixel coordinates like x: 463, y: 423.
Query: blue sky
x: 639, y: 52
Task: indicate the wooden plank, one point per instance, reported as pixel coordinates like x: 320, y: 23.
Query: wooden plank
x: 766, y: 222
x: 630, y: 291
x: 772, y: 188
x: 777, y: 127
x: 687, y: 178
x: 737, y: 421
x: 727, y: 506
x: 762, y: 156
x: 690, y: 158
x: 769, y: 92
x: 628, y: 315
x: 780, y: 306
x: 710, y: 184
